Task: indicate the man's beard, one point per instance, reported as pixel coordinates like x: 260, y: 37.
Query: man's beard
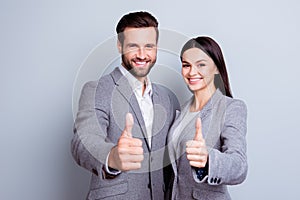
x: 137, y: 71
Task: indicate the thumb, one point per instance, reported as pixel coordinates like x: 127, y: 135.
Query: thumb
x: 198, y: 134
x: 128, y: 124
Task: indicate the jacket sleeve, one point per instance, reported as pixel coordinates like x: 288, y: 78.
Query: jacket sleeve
x: 228, y: 165
x: 89, y: 146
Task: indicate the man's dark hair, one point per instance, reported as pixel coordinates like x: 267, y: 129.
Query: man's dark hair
x: 140, y: 19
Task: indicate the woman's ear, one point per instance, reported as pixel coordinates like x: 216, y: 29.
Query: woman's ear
x: 216, y: 71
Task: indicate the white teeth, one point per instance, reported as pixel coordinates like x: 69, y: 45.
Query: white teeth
x: 194, y: 79
x: 140, y: 63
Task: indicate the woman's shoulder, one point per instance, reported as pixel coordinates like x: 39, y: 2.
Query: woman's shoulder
x: 235, y: 103
x: 236, y: 110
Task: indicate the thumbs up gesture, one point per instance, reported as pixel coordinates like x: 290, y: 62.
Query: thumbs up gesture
x: 196, y: 150
x: 128, y: 153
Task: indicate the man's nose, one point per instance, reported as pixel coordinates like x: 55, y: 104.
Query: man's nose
x: 141, y: 53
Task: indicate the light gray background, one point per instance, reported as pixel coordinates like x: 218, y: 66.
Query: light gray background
x: 44, y: 43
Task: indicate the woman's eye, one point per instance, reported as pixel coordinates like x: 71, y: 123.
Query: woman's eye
x: 201, y: 65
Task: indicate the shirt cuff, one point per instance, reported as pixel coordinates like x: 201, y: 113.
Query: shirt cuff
x: 110, y: 170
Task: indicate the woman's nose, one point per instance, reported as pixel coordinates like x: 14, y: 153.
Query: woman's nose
x: 193, y: 70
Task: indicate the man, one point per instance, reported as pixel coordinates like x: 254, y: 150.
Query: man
x: 123, y: 120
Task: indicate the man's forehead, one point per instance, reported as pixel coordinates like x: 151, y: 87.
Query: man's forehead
x: 140, y: 34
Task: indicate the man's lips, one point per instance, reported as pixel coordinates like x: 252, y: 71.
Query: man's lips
x: 140, y: 63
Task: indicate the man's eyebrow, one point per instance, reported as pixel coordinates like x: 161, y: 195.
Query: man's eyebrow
x: 131, y: 44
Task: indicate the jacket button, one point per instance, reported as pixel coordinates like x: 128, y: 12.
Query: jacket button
x: 219, y: 181
x: 212, y: 180
x: 215, y: 180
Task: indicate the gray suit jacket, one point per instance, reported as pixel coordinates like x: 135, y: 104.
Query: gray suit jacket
x: 98, y: 126
x: 224, y: 127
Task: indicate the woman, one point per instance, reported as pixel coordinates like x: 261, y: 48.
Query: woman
x: 207, y: 141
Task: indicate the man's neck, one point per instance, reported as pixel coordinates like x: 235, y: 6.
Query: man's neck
x: 142, y: 80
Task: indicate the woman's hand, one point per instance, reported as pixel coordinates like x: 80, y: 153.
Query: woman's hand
x: 196, y: 150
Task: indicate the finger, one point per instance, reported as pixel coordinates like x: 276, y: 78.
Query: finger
x: 131, y: 166
x: 132, y: 158
x: 128, y: 125
x: 196, y: 158
x: 136, y: 151
x: 196, y: 151
x: 197, y: 164
x: 131, y: 150
x: 198, y: 135
x: 126, y: 142
x: 135, y: 142
x: 195, y: 144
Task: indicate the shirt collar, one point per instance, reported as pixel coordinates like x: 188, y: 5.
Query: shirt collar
x: 135, y: 83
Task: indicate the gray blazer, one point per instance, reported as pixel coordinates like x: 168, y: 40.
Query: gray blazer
x: 99, y: 123
x: 224, y: 126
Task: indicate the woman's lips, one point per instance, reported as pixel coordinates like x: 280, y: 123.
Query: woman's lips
x: 193, y: 81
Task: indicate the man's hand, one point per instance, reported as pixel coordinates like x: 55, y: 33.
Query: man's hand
x: 128, y: 154
x: 196, y: 150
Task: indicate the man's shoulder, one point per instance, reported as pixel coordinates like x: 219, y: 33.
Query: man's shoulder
x: 98, y: 87
x: 105, y: 78
x: 95, y: 84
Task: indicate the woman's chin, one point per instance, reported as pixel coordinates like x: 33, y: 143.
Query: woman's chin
x: 194, y: 88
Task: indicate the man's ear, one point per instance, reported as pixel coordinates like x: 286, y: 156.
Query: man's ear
x: 119, y: 46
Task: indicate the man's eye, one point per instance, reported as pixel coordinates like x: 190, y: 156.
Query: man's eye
x: 149, y: 46
x: 201, y: 65
x: 132, y: 46
x: 185, y: 66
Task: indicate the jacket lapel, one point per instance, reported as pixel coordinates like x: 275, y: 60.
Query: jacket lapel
x: 159, y: 119
x: 123, y: 86
x: 171, y: 142
x: 217, y: 115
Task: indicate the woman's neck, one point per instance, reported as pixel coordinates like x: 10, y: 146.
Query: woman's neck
x: 201, y: 97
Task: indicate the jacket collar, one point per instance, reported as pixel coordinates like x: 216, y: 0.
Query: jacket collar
x: 217, y: 95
